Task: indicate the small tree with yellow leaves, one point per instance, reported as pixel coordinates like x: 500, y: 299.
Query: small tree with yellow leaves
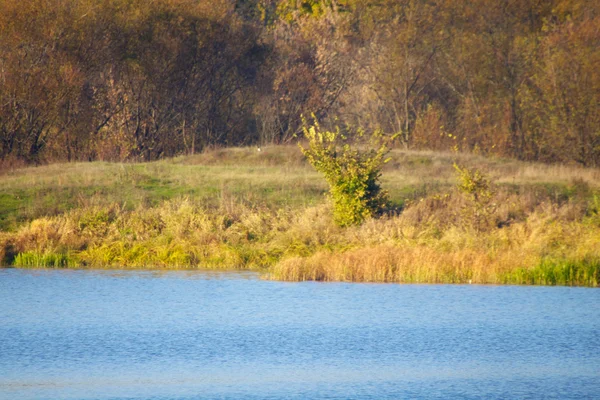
x: 352, y: 174
x: 478, y: 190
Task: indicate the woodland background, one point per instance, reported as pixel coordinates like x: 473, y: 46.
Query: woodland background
x: 141, y: 80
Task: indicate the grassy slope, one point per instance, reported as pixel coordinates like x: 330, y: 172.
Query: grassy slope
x: 267, y: 210
x: 210, y: 178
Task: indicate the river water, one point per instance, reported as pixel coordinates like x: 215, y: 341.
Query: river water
x: 79, y: 334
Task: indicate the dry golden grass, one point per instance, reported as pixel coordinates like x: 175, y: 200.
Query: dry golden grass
x: 540, y: 250
x: 550, y: 245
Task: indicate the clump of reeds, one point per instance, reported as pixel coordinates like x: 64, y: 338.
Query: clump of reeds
x: 521, y: 241
x: 43, y: 260
x: 177, y: 234
x: 428, y: 265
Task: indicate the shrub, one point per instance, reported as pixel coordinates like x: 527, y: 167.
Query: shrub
x: 352, y: 174
x: 477, y: 188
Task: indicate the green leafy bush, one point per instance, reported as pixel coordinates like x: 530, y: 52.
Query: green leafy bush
x: 476, y: 186
x: 352, y: 174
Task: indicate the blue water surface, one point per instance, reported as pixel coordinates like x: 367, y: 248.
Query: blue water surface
x: 80, y: 334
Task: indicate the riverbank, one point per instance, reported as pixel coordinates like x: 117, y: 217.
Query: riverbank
x: 267, y: 211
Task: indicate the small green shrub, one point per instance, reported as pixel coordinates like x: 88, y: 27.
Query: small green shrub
x: 473, y: 183
x: 593, y: 207
x: 476, y: 186
x: 352, y: 174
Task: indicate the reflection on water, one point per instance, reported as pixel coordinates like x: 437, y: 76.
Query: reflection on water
x: 201, y: 335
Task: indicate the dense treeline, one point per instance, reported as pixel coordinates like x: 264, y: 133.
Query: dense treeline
x: 139, y: 79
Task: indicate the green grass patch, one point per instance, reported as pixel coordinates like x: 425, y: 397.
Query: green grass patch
x: 32, y: 259
x: 563, y: 272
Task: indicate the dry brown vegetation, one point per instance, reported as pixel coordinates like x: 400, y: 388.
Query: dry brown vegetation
x: 138, y: 80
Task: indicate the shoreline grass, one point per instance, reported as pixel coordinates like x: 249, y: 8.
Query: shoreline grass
x: 266, y: 211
